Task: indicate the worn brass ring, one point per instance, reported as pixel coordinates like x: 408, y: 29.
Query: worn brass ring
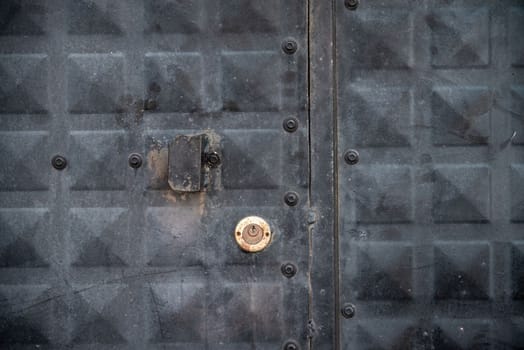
x: 252, y: 234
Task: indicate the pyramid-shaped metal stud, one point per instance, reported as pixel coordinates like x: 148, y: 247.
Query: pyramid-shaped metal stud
x: 25, y: 165
x: 250, y: 82
x: 382, y: 194
x: 378, y: 40
x: 93, y: 321
x: 25, y: 315
x: 174, y: 81
x: 380, y: 117
x: 179, y: 311
x: 98, y: 163
x: 22, y: 17
x: 263, y: 17
x: 173, y: 16
x: 174, y: 245
x: 95, y: 83
x: 459, y: 37
x: 385, y: 335
x: 461, y: 116
x: 23, y: 84
x: 101, y: 242
x: 382, y: 272
x: 461, y: 193
x: 462, y: 271
x: 93, y: 17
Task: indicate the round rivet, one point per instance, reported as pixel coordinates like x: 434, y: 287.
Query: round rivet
x: 252, y: 234
x: 289, y: 46
x: 348, y: 310
x: 59, y: 162
x: 135, y: 160
x: 213, y: 159
x: 351, y: 4
x: 291, y: 199
x: 291, y: 345
x: 290, y: 124
x: 288, y: 269
x: 351, y: 157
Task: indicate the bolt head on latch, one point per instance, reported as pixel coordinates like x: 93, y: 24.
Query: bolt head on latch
x: 252, y: 234
x: 135, y: 160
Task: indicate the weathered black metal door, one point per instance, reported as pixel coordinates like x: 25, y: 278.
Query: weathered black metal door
x: 430, y: 95
x: 100, y: 252
x: 381, y: 143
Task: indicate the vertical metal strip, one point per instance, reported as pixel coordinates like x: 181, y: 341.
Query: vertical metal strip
x: 322, y: 328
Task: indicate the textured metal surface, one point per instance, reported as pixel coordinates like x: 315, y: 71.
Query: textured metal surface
x: 431, y: 234
x: 104, y: 256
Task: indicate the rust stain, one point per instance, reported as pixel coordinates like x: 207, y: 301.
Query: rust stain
x: 192, y: 200
x: 202, y: 203
x: 170, y: 196
x: 157, y: 159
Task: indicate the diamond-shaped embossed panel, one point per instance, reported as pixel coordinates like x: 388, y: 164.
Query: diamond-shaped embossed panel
x: 258, y: 171
x: 101, y: 255
x: 462, y: 271
x: 383, y: 40
x: 384, y: 272
x: 25, y: 320
x: 174, y: 81
x: 97, y: 160
x: 23, y: 83
x: 22, y: 17
x: 173, y: 16
x: 380, y: 117
x: 461, y: 116
x: 249, y: 82
x: 25, y: 161
x: 24, y: 241
x: 180, y: 313
x: 262, y: 17
x: 93, y: 17
x: 430, y: 95
x: 94, y: 82
x: 97, y: 317
x: 101, y: 242
x: 380, y: 194
x: 461, y: 193
x: 458, y: 37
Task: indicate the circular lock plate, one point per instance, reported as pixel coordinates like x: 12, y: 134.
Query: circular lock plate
x: 252, y: 234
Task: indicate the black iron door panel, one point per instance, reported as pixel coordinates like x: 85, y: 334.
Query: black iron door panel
x: 430, y: 96
x: 99, y: 251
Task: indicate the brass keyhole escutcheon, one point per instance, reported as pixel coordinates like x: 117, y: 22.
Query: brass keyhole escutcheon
x: 252, y: 234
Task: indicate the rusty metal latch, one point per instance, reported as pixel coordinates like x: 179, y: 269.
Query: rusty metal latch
x: 189, y: 161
